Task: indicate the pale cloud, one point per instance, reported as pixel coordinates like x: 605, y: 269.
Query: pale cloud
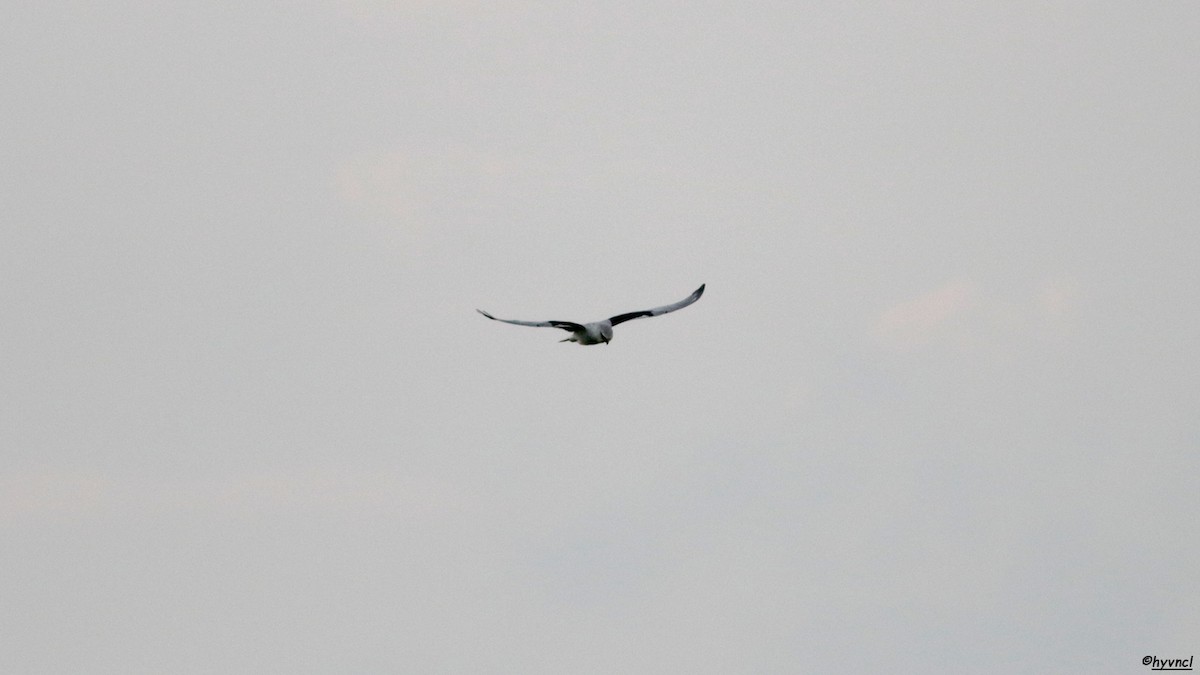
x: 1058, y: 301
x: 388, y: 184
x: 410, y: 188
x: 1057, y: 296
x: 50, y: 493
x: 919, y: 320
x: 396, y: 192
x: 383, y: 11
x: 322, y: 490
x: 40, y: 494
x: 961, y: 315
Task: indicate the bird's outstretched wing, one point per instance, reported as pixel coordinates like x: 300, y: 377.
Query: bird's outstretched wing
x: 622, y: 318
x: 565, y: 325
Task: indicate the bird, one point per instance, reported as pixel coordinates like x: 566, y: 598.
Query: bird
x: 599, y: 332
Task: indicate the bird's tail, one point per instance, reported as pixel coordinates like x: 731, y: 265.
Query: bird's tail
x: 570, y: 339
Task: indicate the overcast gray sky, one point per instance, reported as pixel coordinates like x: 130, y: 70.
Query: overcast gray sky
x: 937, y: 411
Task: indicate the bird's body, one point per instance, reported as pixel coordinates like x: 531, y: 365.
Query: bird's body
x: 592, y: 334
x: 599, y: 332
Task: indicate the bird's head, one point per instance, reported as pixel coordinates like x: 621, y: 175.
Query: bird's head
x: 606, y: 332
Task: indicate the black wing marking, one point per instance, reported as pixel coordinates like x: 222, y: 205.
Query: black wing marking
x: 565, y: 325
x: 658, y: 311
x: 622, y: 318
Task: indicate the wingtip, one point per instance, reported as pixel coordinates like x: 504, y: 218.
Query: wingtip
x: 486, y: 314
x: 700, y: 291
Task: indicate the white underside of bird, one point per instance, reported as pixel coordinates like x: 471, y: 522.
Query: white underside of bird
x: 599, y: 332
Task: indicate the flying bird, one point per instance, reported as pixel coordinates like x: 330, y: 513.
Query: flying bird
x: 602, y: 331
